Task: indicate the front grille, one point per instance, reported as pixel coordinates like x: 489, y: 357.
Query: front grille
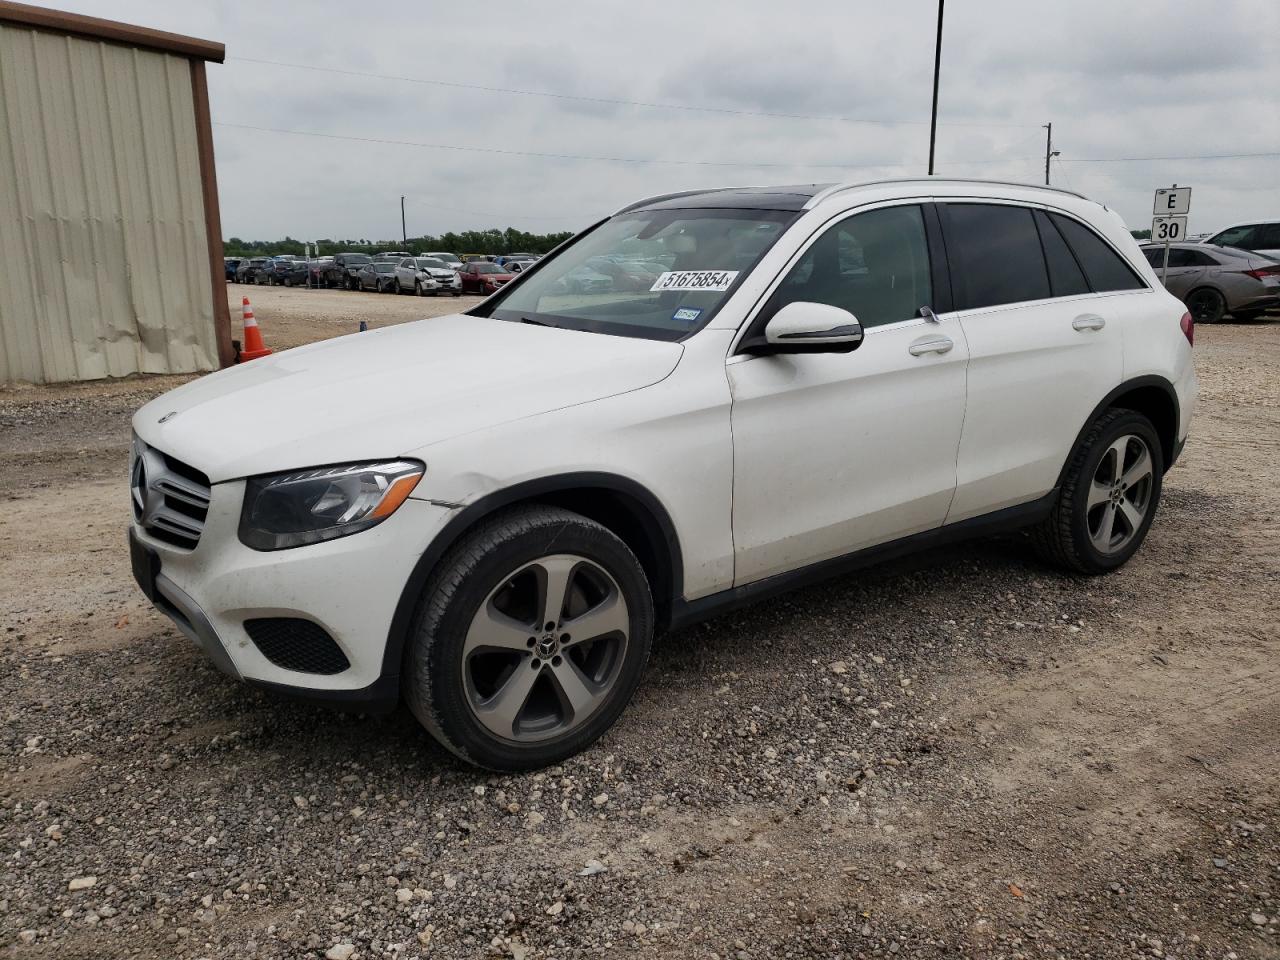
x: 296, y: 644
x: 170, y: 498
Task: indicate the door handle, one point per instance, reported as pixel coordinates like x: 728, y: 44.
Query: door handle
x: 931, y: 345
x: 1088, y: 321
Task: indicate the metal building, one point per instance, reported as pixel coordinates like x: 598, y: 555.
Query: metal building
x: 109, y: 229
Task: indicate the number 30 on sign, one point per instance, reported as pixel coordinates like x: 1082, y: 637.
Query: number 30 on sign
x: 1168, y: 229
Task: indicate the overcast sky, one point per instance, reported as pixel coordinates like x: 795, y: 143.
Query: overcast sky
x: 1117, y: 79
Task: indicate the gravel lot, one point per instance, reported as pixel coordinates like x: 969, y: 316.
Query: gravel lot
x: 962, y: 754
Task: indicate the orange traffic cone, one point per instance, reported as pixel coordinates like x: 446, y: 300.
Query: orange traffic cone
x: 253, y: 345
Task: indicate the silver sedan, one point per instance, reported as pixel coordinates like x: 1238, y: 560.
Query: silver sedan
x: 1215, y: 281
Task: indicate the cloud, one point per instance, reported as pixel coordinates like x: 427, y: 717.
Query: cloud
x: 1116, y: 80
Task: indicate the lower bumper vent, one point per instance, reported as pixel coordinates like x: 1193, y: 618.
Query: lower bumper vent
x: 295, y: 644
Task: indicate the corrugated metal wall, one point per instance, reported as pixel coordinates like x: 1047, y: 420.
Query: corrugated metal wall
x: 104, y: 259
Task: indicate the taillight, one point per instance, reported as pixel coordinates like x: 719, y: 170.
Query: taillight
x: 1263, y: 272
x: 1188, y: 328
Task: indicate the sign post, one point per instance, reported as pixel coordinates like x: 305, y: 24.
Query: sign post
x: 1169, y: 224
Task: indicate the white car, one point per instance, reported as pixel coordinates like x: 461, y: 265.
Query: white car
x: 427, y: 277
x: 491, y: 514
x: 1257, y: 236
x: 450, y: 260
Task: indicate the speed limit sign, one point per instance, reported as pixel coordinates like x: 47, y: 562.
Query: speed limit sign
x: 1168, y: 229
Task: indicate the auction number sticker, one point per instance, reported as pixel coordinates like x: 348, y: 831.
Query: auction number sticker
x: 716, y: 281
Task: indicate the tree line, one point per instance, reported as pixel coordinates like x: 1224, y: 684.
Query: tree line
x: 492, y: 241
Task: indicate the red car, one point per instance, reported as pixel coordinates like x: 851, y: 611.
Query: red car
x: 483, y: 277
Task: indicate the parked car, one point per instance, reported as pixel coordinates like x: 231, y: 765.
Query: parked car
x: 395, y: 255
x: 320, y: 270
x: 231, y: 264
x: 1259, y: 236
x: 483, y: 277
x: 426, y: 276
x: 252, y: 270
x: 1214, y: 281
x: 491, y: 514
x: 450, y: 259
x: 260, y: 270
x: 506, y: 258
x: 378, y: 275
x: 290, y: 272
x: 345, y: 269
x: 519, y: 266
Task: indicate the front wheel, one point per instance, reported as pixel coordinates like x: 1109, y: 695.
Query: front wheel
x: 532, y: 638
x: 1108, y: 498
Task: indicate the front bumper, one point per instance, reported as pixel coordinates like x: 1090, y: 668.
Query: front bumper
x: 350, y: 587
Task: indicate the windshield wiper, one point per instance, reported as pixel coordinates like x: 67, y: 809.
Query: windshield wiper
x: 536, y: 322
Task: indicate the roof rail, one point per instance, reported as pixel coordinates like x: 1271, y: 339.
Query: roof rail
x: 842, y: 187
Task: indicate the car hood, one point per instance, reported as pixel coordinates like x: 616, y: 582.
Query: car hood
x: 390, y: 392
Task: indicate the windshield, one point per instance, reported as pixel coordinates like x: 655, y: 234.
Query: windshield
x: 384, y: 267
x: 425, y: 263
x: 660, y: 274
x: 489, y: 268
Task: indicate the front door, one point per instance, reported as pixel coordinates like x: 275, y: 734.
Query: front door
x: 836, y: 452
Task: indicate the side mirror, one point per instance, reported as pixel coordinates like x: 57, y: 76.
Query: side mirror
x: 804, y: 327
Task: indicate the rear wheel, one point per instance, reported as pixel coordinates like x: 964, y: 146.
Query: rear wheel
x: 531, y: 639
x: 1108, y: 498
x: 1206, y: 306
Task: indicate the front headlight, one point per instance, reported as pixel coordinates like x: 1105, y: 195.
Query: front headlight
x: 307, y: 506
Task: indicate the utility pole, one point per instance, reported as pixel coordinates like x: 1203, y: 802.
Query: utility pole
x: 937, y: 65
x: 1049, y: 152
x: 404, y: 233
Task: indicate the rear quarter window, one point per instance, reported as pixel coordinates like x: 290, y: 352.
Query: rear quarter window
x: 1105, y: 269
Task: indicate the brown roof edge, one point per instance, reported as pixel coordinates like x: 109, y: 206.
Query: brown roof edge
x: 113, y: 30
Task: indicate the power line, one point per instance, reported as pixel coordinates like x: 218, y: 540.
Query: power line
x: 601, y: 159
x: 495, y: 216
x: 614, y: 101
x: 1207, y: 156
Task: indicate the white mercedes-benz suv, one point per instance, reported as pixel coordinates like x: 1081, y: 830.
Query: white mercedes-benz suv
x: 701, y: 400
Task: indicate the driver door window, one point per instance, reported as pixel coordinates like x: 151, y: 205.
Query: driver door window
x: 875, y: 265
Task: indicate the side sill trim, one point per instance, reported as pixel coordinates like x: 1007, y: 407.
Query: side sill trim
x: 687, y: 612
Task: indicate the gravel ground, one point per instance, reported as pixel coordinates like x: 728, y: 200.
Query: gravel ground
x: 966, y: 753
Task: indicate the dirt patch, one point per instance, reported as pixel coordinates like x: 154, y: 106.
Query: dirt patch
x: 1008, y: 762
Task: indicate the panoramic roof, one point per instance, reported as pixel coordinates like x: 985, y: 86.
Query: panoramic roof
x: 747, y: 198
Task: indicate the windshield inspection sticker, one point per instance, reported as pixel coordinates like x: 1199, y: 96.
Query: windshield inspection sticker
x: 712, y: 280
x: 686, y: 315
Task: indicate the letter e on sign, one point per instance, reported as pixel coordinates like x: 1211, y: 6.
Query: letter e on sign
x: 1172, y: 202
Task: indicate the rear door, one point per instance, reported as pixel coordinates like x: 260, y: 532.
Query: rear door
x: 1186, y: 268
x: 1044, y: 349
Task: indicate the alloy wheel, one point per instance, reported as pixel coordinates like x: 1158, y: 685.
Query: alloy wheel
x: 545, y: 648
x: 1206, y: 306
x: 1120, y: 494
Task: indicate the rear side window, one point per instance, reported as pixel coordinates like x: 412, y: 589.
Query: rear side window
x: 1066, y: 279
x: 997, y: 251
x: 1103, y: 267
x: 1236, y: 236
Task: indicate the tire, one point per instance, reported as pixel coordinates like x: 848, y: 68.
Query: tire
x: 417, y: 289
x: 1206, y: 305
x: 1073, y: 533
x: 457, y: 293
x: 288, y: 281
x: 458, y: 686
